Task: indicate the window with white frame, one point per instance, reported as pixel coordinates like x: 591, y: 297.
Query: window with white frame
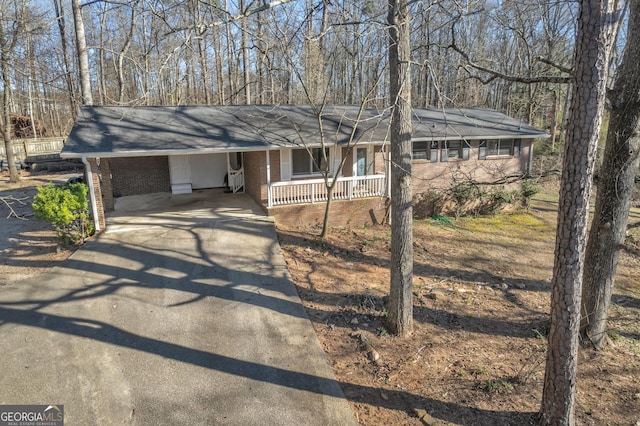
x: 454, y: 150
x: 425, y: 150
x: 500, y: 148
x: 309, y: 162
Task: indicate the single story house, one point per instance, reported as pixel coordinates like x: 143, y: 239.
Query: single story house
x: 275, y: 154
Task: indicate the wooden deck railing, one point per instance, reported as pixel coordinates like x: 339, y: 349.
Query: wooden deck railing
x: 34, y: 149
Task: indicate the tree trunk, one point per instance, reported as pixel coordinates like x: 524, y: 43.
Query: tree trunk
x: 6, y: 49
x: 83, y: 56
x: 14, y: 176
x: 204, y: 70
x: 217, y: 46
x: 230, y: 72
x: 597, y: 23
x: 245, y: 56
x: 123, y: 53
x: 553, y: 126
x: 62, y: 27
x: 327, y: 210
x: 102, y: 68
x: 400, y: 312
x: 615, y: 189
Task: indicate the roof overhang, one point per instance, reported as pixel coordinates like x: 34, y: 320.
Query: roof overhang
x: 112, y: 132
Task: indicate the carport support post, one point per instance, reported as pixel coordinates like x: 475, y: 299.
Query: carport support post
x: 92, y: 195
x: 269, y: 204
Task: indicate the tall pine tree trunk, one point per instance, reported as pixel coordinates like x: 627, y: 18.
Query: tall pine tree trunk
x: 400, y: 312
x: 615, y: 189
x: 597, y: 24
x: 62, y: 28
x: 83, y: 56
x: 7, y: 44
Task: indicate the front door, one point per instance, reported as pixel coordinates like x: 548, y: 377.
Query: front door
x: 361, y: 162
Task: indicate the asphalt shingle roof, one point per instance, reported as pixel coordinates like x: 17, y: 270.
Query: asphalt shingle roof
x: 119, y: 131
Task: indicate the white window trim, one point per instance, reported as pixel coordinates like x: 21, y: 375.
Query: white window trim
x: 330, y: 160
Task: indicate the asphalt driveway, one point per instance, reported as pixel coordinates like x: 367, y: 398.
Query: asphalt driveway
x: 182, y: 314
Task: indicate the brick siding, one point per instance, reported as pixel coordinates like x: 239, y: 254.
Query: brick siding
x: 428, y: 176
x: 140, y: 175
x: 255, y: 176
x: 343, y: 213
x: 95, y: 179
x: 143, y: 175
x: 107, y: 187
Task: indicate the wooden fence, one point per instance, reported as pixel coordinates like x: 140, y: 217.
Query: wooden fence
x: 31, y: 150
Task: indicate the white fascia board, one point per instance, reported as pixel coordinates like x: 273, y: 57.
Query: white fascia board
x: 146, y: 153
x: 481, y: 138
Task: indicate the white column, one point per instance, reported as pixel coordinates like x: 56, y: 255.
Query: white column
x: 269, y: 202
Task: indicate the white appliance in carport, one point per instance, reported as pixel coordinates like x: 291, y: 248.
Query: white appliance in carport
x: 197, y: 171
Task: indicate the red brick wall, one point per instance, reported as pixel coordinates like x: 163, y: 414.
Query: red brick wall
x: 274, y: 158
x: 140, y: 175
x: 440, y: 175
x: 255, y: 176
x: 95, y: 180
x: 379, y: 163
x: 343, y: 213
x: 347, y: 169
x: 107, y: 187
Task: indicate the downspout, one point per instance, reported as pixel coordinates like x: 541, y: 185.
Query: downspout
x: 530, y: 168
x: 92, y: 195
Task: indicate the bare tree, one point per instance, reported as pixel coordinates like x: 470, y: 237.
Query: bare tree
x: 62, y: 27
x: 615, y: 188
x: 400, y: 316
x: 13, y: 17
x: 597, y: 25
x: 83, y: 55
x: 122, y: 54
x: 314, y: 78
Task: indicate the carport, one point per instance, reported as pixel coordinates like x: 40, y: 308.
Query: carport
x: 183, y: 313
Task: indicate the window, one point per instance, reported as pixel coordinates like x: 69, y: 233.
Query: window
x: 454, y: 150
x: 500, y: 148
x: 425, y: 150
x: 305, y: 164
x: 420, y: 151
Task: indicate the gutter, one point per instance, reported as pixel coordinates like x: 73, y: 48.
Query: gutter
x: 92, y: 195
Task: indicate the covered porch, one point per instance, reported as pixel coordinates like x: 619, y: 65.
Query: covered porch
x: 315, y: 190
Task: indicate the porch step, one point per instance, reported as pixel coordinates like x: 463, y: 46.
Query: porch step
x: 181, y: 188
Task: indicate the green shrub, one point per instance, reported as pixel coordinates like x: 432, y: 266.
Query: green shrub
x: 66, y: 208
x: 494, y: 200
x: 527, y: 191
x: 461, y: 195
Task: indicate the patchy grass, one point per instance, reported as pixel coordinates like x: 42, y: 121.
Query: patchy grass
x: 481, y: 303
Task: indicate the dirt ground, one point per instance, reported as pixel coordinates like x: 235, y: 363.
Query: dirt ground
x: 27, y: 246
x: 481, y: 307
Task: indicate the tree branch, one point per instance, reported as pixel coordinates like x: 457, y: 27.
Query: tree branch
x: 201, y: 28
x: 497, y: 74
x: 9, y: 200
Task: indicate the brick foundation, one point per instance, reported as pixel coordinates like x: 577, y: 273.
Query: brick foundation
x: 343, y: 213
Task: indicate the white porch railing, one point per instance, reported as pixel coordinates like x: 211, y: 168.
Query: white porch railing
x: 315, y: 190
x: 236, y: 180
